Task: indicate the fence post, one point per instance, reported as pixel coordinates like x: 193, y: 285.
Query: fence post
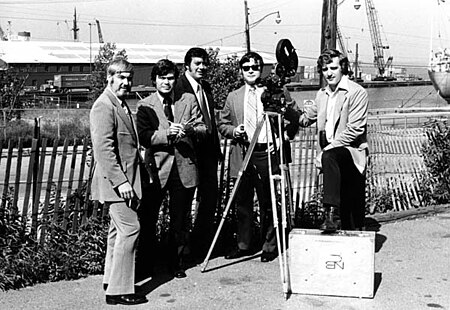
x: 37, y: 136
x: 59, y: 128
x: 4, y: 124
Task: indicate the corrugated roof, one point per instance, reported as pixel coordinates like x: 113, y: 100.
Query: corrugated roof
x: 15, y: 52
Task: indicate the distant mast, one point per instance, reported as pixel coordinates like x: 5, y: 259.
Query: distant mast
x: 75, y: 28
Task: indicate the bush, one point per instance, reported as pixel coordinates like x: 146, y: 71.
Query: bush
x: 71, y: 128
x: 436, y: 157
x: 62, y: 256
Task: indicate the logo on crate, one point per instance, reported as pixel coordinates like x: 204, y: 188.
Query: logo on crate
x: 334, y: 262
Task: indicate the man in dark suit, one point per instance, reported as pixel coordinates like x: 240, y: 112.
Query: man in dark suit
x: 242, y: 111
x: 208, y: 151
x: 116, y: 181
x: 167, y: 128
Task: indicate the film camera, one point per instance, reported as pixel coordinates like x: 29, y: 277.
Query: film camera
x: 273, y: 98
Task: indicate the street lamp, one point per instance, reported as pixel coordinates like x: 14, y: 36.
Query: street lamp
x: 248, y: 25
x: 90, y: 48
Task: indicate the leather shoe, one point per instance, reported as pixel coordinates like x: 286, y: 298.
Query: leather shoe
x: 329, y: 225
x: 179, y: 273
x: 268, y: 256
x: 129, y: 299
x: 238, y: 253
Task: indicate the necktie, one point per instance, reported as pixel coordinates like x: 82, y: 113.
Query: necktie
x: 204, y: 108
x: 251, y: 113
x: 167, y: 102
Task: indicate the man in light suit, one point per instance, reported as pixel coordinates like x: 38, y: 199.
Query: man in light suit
x: 340, y: 110
x: 193, y: 81
x: 243, y: 109
x: 116, y: 181
x: 167, y: 128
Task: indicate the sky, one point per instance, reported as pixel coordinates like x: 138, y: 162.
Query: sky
x: 405, y: 24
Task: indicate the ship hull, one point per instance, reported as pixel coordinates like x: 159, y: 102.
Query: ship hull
x: 441, y: 82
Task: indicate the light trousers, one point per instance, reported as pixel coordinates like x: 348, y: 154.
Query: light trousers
x: 121, y: 249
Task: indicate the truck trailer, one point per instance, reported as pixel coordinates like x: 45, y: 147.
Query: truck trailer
x: 69, y: 82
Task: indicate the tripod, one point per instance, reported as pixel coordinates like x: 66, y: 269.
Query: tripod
x: 282, y: 180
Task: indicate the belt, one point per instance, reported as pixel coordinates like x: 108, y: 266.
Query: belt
x: 260, y: 147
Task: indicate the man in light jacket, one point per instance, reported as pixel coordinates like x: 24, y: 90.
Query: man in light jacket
x: 116, y: 181
x: 340, y: 110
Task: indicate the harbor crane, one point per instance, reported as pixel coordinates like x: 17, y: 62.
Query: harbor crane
x: 384, y: 73
x: 377, y: 45
x: 99, y: 30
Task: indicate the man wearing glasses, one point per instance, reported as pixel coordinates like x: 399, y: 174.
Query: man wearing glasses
x: 238, y: 120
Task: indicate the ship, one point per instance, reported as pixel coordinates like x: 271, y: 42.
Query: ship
x: 439, y: 72
x: 439, y: 68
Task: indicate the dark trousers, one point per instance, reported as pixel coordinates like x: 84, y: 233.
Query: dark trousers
x: 207, y: 191
x: 180, y: 203
x: 256, y: 177
x: 344, y: 187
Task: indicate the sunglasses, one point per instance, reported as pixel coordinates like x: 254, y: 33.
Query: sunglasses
x: 254, y: 68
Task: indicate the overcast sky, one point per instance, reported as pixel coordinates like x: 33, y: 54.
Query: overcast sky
x: 405, y: 24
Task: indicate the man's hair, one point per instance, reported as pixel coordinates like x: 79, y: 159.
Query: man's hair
x: 252, y: 55
x: 195, y: 52
x: 327, y: 57
x: 119, y: 65
x: 164, y: 67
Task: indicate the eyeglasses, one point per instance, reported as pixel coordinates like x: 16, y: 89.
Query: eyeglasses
x: 254, y: 68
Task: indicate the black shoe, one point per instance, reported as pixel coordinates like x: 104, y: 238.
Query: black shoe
x: 105, y: 286
x: 329, y: 225
x: 268, y: 256
x: 179, y: 273
x: 238, y: 253
x: 129, y: 299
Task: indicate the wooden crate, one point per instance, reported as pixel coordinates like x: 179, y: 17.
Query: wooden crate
x: 339, y: 264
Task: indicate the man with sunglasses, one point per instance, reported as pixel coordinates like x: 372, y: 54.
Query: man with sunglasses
x: 238, y: 119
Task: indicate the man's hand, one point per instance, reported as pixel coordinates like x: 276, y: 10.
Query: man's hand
x: 239, y: 132
x: 125, y: 190
x: 176, y: 132
x: 292, y: 115
x: 189, y: 130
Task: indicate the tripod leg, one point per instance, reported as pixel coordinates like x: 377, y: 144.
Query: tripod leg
x: 274, y: 206
x: 234, y: 191
x: 283, y: 180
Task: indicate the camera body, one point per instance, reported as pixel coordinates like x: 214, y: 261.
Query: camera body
x: 273, y: 98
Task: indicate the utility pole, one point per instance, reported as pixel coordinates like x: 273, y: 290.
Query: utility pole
x: 247, y: 27
x: 75, y: 28
x: 329, y: 25
x: 90, y: 48
x: 355, y: 66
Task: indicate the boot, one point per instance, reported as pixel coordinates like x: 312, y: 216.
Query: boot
x: 329, y: 225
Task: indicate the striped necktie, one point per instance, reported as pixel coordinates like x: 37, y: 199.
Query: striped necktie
x: 251, y: 113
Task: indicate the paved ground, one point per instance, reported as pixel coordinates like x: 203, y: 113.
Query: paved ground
x: 412, y: 271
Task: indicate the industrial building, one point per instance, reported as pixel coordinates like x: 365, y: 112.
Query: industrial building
x: 42, y: 60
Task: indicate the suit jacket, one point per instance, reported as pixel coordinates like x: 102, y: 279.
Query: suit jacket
x: 160, y: 152
x: 350, y: 117
x: 115, y: 146
x: 230, y: 117
x: 184, y: 86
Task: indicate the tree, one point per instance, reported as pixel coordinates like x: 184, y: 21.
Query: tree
x: 11, y: 87
x: 106, y: 54
x: 223, y: 75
